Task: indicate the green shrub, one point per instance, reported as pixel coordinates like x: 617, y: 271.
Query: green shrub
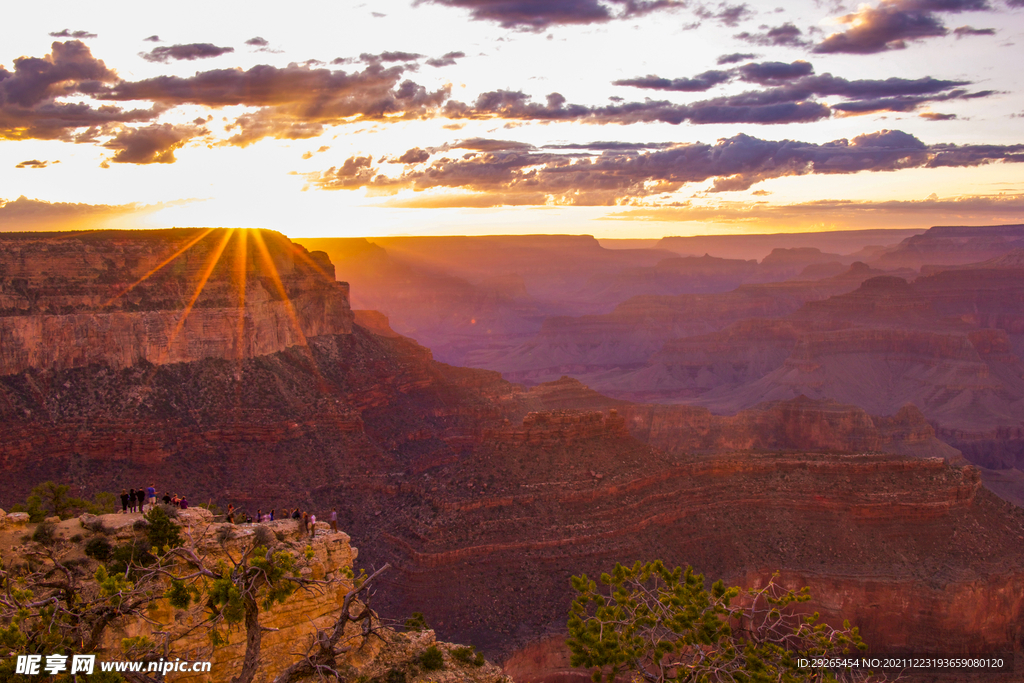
x: 468, y: 655
x: 44, y: 533
x: 395, y: 676
x: 416, y: 622
x: 162, y: 532
x: 432, y: 659
x: 129, y: 555
x: 98, y: 548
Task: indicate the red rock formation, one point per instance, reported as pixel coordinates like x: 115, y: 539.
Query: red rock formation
x: 800, y: 424
x: 72, y: 300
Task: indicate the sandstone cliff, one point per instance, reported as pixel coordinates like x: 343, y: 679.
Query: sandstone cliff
x: 171, y: 296
x: 289, y: 626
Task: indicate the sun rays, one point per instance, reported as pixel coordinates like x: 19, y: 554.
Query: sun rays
x: 233, y: 258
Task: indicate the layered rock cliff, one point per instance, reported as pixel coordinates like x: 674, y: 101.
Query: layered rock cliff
x: 167, y: 296
x: 325, y: 559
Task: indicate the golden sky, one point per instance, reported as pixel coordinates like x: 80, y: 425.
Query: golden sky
x: 618, y: 118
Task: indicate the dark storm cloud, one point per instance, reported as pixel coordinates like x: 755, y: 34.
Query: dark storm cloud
x: 153, y: 144
x: 29, y: 106
x: 447, y: 60
x: 72, y: 34
x: 735, y: 57
x: 189, y: 52
x: 537, y: 15
x: 698, y: 83
x: 786, y: 35
x: 616, y: 177
x: 772, y: 73
x: 892, y: 23
x: 971, y: 31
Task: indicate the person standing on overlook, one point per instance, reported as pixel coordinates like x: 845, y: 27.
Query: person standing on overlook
x: 124, y: 501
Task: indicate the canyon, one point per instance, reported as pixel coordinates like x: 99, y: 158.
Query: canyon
x: 485, y: 495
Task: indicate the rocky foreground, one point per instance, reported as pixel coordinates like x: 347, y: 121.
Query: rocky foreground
x: 289, y: 627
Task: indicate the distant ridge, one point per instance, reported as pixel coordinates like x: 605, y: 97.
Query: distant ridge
x: 760, y: 245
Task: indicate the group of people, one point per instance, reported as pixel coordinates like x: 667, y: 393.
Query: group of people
x: 306, y: 519
x: 137, y: 499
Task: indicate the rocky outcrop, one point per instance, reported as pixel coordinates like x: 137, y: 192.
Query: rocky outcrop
x: 288, y: 627
x: 800, y: 424
x: 161, y: 297
x: 954, y: 245
x: 559, y: 428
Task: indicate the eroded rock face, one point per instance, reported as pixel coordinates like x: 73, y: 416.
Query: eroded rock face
x: 799, y: 424
x: 165, y: 296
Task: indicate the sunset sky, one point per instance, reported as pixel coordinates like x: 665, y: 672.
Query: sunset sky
x: 617, y: 118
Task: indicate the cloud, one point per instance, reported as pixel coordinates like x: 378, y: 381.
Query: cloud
x: 892, y: 23
x: 622, y: 177
x: 447, y: 60
x: 24, y: 214
x: 396, y: 56
x: 35, y: 163
x: 838, y: 214
x: 790, y: 99
x: 414, y: 156
x: 757, y: 107
x: 613, y: 146
x: 794, y: 83
x: 971, y: 31
x: 734, y: 58
x: 29, y: 97
x: 773, y: 73
x: 356, y: 172
x: 786, y: 35
x: 296, y: 101
x: 257, y: 41
x: 190, y: 52
x: 726, y: 14
x: 153, y: 39
x: 154, y: 144
x: 933, y: 116
x: 537, y: 15
x: 72, y: 34
x: 698, y: 83
x: 491, y: 145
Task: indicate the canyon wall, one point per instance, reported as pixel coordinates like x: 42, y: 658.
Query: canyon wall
x: 161, y: 297
x: 799, y: 424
